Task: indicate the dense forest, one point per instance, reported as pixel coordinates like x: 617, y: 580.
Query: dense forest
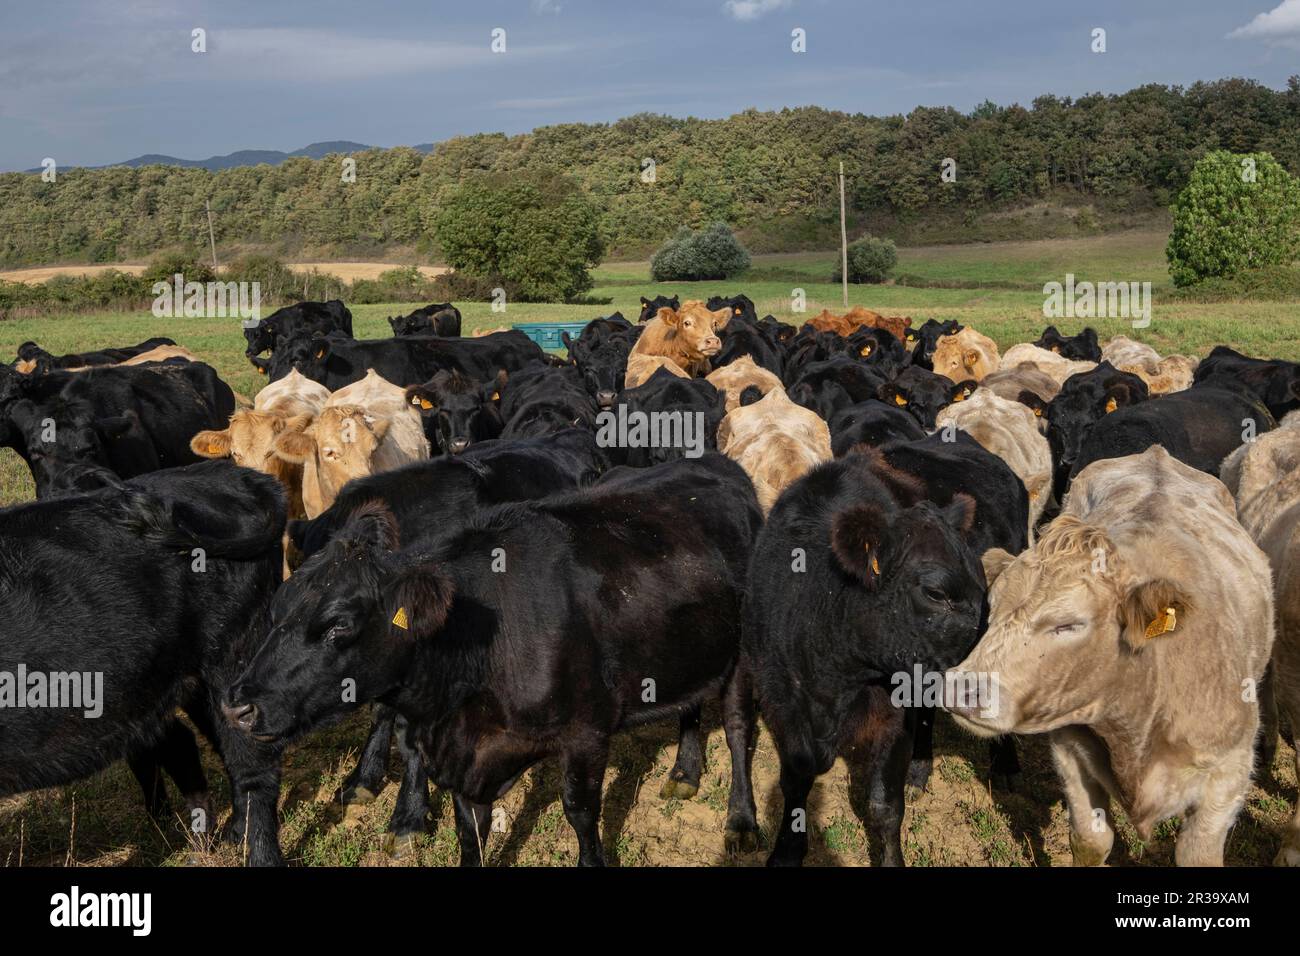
x: 770, y: 172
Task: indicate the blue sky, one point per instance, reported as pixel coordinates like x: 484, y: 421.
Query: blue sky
x: 93, y: 83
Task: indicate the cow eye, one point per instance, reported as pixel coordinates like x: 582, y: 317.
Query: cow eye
x: 338, y: 633
x: 1061, y: 630
x: 934, y: 593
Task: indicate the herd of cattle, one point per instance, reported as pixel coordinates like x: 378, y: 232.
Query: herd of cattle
x: 1104, y: 542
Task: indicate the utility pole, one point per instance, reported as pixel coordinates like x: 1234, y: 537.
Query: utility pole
x: 844, y: 242
x: 212, y: 239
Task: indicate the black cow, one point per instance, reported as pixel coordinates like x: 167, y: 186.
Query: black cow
x: 404, y: 360
x: 747, y: 338
x: 436, y: 497
x: 128, y: 419
x: 683, y: 406
x: 924, y: 340
x: 457, y: 411
x: 884, y: 585
x: 440, y: 318
x: 651, y: 307
x: 1274, y: 382
x: 877, y: 347
x: 542, y: 399
x: 1199, y: 426
x: 602, y: 363
x: 871, y: 423
x: 44, y: 361
x: 302, y: 320
x: 1084, y: 399
x: 108, y: 584
x: 923, y: 394
x: 836, y: 383
x: 741, y: 306
x: 618, y: 605
x: 1080, y: 348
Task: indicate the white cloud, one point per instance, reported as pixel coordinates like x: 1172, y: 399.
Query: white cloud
x: 546, y: 6
x: 1281, y: 24
x: 753, y: 9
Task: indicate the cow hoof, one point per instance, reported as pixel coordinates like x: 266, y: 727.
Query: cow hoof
x: 398, y: 846
x: 681, y: 789
x: 738, y: 841
x: 357, y: 794
x: 1085, y: 855
x: 1289, y: 855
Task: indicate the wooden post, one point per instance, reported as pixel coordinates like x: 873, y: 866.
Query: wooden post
x: 212, y: 239
x: 844, y: 242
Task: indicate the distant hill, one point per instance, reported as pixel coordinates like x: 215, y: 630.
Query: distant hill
x: 249, y: 157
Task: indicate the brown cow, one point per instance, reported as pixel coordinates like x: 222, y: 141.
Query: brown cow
x: 859, y: 317
x: 968, y: 354
x: 687, y: 336
x: 1133, y: 633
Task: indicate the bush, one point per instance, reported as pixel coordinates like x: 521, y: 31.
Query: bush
x: 1227, y: 221
x: 459, y: 287
x: 711, y: 253
x: 533, y: 230
x: 163, y: 267
x: 870, y: 260
x: 275, y: 280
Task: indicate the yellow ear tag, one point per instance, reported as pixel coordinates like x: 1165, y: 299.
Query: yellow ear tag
x: 866, y: 350
x: 959, y: 397
x: 496, y: 396
x: 1038, y: 413
x: 1165, y: 622
x: 1111, y: 405
x: 1056, y: 349
x: 415, y: 399
x: 261, y: 371
x: 736, y: 310
x: 900, y: 400
x: 875, y: 565
x: 320, y: 354
x: 426, y: 404
x: 400, y: 619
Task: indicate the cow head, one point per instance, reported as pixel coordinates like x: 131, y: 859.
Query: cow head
x: 650, y: 307
x: 249, y: 441
x: 603, y: 367
x: 695, y: 329
x: 964, y: 355
x: 1084, y: 400
x: 61, y: 436
x: 1064, y: 621
x: 332, y: 450
x: 924, y: 394
x: 457, y: 411
x: 355, y: 611
x: 927, y: 585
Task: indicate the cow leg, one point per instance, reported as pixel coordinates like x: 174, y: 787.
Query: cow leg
x: 1004, y: 764
x: 922, y: 762
x: 473, y: 824
x: 254, y: 771
x: 365, y: 781
x: 1205, y: 829
x: 1266, y: 743
x: 1286, y: 681
x: 684, y: 779
x: 887, y: 757
x: 797, y: 777
x: 149, y: 775
x: 179, y: 755
x: 412, y: 799
x: 1076, y: 753
x: 738, y: 723
x: 583, y: 766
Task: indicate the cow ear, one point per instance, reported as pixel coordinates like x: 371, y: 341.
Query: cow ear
x: 421, y: 399
x: 379, y: 426
x: 995, y: 561
x: 211, y: 444
x: 1150, y: 610
x: 720, y: 318
x: 1034, y: 403
x: 294, y: 446
x: 1121, y: 394
x: 889, y: 393
x: 969, y: 358
x: 418, y: 601
x: 644, y: 302
x: 320, y: 348
x: 856, y: 536
x: 669, y: 317
x: 960, y: 512
x: 963, y: 390
x: 117, y: 425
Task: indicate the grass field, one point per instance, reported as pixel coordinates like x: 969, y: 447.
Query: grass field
x: 959, y: 821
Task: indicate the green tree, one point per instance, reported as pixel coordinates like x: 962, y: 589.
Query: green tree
x: 534, y: 228
x: 1238, y: 212
x: 870, y: 260
x: 711, y: 253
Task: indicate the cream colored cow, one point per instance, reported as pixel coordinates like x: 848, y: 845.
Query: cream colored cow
x: 775, y: 441
x: 967, y: 354
x: 365, y: 427
x: 734, y: 377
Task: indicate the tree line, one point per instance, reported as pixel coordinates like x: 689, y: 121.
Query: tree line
x: 648, y: 174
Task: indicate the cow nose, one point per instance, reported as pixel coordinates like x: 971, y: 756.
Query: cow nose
x: 457, y: 445
x: 241, y: 716
x: 712, y: 344
x: 604, y: 399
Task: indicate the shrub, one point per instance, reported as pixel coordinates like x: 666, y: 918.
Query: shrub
x: 165, y: 265
x: 459, y: 287
x: 1238, y: 212
x: 712, y: 253
x: 870, y: 260
x: 276, y: 281
x: 533, y: 230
